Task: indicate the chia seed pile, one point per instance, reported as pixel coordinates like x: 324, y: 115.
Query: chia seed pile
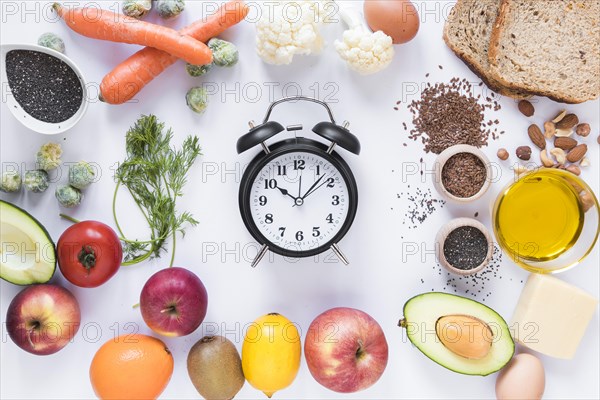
x: 476, y: 285
x: 421, y: 204
x: 465, y: 247
x: 449, y: 114
x: 46, y: 87
x: 463, y: 175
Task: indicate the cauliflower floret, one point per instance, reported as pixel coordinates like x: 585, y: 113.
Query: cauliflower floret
x: 365, y: 52
x: 289, y: 31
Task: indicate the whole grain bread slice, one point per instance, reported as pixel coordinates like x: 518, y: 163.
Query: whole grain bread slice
x: 550, y: 48
x: 467, y: 33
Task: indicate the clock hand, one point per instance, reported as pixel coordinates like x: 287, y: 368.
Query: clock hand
x: 313, y: 186
x: 285, y: 193
x: 314, y: 190
x: 300, y: 184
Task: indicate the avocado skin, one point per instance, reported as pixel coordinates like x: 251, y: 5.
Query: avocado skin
x: 48, y: 237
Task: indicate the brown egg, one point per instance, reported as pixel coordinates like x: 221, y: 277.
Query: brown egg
x: 522, y: 378
x: 396, y: 18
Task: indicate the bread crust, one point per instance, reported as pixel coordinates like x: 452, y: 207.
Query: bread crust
x: 490, y: 82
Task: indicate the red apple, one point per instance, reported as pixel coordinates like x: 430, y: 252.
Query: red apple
x: 174, y: 302
x: 345, y: 350
x: 42, y: 319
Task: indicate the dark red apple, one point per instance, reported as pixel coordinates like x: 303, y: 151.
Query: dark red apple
x: 42, y: 319
x: 174, y: 302
x: 345, y: 350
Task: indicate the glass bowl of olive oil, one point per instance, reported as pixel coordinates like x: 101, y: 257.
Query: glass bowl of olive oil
x: 547, y: 220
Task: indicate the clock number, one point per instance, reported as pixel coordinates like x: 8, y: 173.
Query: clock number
x: 299, y: 164
x: 299, y: 236
x: 316, y: 232
x: 269, y: 218
x: 329, y: 218
x: 281, y: 231
x: 262, y: 200
x: 318, y: 170
x: 335, y: 200
x: 281, y: 170
x: 330, y: 182
x: 270, y: 184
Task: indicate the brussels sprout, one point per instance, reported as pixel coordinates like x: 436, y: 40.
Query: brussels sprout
x: 137, y: 8
x: 36, y: 181
x: 168, y: 9
x: 48, y: 158
x: 197, y: 99
x: 225, y: 54
x: 11, y: 182
x: 81, y: 175
x: 198, y: 70
x: 68, y: 196
x: 52, y: 41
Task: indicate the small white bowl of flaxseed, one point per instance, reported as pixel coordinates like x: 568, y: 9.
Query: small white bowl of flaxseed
x: 46, y: 90
x: 462, y: 173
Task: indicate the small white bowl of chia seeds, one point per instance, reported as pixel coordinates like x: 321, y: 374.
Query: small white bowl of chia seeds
x: 44, y: 89
x: 464, y: 246
x: 462, y: 173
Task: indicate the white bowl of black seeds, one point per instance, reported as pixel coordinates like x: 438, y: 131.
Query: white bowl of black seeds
x: 46, y: 90
x: 464, y: 246
x: 462, y: 173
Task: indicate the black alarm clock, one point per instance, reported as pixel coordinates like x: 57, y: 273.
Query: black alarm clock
x: 298, y: 197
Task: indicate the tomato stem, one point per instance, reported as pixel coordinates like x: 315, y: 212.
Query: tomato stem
x: 87, y: 257
x: 69, y: 218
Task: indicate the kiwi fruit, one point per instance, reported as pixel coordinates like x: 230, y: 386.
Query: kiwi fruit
x: 215, y: 368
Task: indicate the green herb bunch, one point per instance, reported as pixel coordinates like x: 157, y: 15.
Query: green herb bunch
x: 154, y: 173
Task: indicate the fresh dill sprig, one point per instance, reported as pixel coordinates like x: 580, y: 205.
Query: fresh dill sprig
x: 154, y: 173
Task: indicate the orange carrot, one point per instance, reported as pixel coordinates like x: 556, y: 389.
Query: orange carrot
x: 102, y: 24
x: 128, y: 78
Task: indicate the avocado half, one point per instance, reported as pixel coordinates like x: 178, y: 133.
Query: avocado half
x: 421, y: 314
x: 27, y: 252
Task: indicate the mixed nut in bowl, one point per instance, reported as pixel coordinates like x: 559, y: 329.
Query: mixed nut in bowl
x: 547, y: 221
x: 462, y: 173
x: 47, y: 92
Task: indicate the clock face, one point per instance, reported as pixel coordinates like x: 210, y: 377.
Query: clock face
x: 299, y: 201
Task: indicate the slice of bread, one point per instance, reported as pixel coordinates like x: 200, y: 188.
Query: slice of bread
x: 467, y: 33
x: 550, y: 48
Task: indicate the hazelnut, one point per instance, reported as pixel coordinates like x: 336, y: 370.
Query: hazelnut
x: 524, y: 153
x: 583, y: 129
x: 502, y: 154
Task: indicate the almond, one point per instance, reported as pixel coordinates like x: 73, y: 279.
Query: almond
x: 536, y: 136
x: 568, y: 122
x: 565, y: 143
x: 577, y: 153
x: 526, y: 108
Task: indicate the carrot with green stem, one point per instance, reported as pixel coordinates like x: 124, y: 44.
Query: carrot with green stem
x: 97, y: 23
x: 132, y: 75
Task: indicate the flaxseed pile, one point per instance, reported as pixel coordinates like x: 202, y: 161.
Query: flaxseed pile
x: 463, y: 175
x: 449, y: 114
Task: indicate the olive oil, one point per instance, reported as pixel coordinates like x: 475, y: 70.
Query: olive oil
x: 540, y: 216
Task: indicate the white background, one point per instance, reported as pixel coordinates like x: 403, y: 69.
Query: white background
x: 380, y: 278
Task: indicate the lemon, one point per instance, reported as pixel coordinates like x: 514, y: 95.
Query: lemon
x: 271, y: 353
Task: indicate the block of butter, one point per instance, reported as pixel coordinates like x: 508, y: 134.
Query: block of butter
x: 552, y: 316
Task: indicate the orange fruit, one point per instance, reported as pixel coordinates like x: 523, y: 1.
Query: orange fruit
x: 131, y: 367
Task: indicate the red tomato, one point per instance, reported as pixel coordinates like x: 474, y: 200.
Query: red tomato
x: 89, y: 253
